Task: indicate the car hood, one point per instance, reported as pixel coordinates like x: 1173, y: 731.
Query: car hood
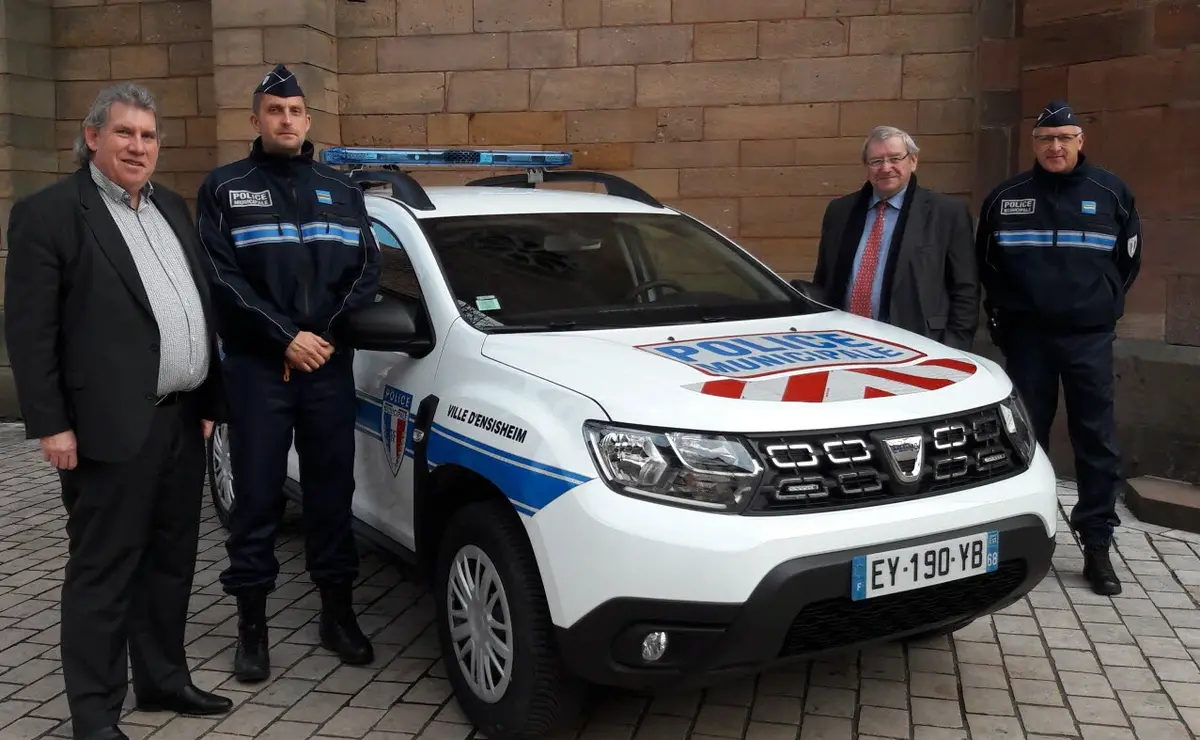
x: 823, y: 371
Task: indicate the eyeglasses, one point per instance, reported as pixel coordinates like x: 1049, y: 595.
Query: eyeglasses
x: 1060, y: 138
x: 893, y: 159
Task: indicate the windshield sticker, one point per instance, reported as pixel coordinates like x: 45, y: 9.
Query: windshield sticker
x: 758, y: 355
x: 487, y: 303
x: 844, y: 384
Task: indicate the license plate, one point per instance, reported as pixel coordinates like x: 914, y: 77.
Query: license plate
x: 910, y: 568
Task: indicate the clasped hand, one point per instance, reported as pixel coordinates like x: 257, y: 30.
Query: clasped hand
x: 308, y: 352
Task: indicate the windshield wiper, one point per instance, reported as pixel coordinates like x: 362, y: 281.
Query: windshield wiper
x: 549, y: 326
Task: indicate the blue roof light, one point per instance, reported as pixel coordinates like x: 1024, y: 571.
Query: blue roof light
x: 381, y: 156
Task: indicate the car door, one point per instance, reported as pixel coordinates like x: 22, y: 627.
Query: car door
x: 390, y: 386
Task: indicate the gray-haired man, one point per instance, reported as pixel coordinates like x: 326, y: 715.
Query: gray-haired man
x: 113, y: 353
x: 898, y: 252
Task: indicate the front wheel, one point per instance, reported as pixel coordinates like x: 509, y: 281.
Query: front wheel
x: 220, y: 473
x: 494, y: 626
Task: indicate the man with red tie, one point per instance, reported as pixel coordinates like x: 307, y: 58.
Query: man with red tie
x: 900, y: 253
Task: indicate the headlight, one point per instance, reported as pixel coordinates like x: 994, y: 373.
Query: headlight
x: 713, y: 472
x: 1019, y: 426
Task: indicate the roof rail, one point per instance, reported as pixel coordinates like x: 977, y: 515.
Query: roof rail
x: 613, y: 185
x: 387, y: 165
x: 404, y: 188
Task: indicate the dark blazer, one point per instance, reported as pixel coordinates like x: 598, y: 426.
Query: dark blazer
x: 931, y: 281
x: 82, y: 340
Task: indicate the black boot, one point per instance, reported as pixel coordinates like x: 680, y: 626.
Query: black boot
x: 252, y: 662
x: 339, y: 630
x: 1098, y: 570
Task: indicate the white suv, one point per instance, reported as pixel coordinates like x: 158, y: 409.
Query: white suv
x: 624, y: 451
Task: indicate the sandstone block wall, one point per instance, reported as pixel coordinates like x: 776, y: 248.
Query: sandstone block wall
x: 749, y: 114
x: 165, y: 45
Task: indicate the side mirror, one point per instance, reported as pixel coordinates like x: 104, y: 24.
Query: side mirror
x: 389, y: 324
x: 809, y: 290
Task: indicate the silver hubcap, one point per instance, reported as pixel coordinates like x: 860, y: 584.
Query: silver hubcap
x: 222, y: 469
x: 480, y: 623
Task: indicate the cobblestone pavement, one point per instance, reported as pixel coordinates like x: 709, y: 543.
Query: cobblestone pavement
x: 1061, y: 663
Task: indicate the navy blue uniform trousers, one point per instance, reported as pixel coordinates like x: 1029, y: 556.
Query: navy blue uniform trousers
x: 1036, y: 360
x: 264, y: 410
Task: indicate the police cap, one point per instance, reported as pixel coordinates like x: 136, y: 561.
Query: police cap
x: 281, y: 83
x: 1057, y: 113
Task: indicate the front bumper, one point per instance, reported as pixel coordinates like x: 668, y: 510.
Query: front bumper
x: 800, y: 610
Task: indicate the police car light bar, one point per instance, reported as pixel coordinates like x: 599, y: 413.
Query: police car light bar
x: 379, y: 156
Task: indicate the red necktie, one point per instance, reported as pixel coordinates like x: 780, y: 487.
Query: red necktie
x: 860, y: 293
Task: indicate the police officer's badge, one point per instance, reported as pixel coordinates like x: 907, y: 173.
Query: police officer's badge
x: 397, y: 406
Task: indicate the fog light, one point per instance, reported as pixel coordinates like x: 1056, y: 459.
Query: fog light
x: 654, y: 646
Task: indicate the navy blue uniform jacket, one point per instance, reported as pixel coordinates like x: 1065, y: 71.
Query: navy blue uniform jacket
x: 289, y: 248
x: 1061, y: 250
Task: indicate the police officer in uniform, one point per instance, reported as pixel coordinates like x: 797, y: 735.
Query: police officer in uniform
x: 1059, y: 246
x: 290, y: 252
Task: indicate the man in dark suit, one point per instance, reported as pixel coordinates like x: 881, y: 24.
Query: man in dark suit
x: 109, y: 334
x: 900, y: 253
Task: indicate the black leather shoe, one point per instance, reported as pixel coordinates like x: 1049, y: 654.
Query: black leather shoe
x: 339, y: 630
x: 252, y: 661
x: 106, y: 733
x: 187, y: 701
x: 1099, y: 572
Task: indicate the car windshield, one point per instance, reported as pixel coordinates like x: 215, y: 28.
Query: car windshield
x: 557, y: 271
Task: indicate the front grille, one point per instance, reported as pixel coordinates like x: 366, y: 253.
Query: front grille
x: 845, y: 470
x: 834, y: 623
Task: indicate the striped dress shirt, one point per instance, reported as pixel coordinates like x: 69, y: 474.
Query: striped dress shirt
x: 169, y: 282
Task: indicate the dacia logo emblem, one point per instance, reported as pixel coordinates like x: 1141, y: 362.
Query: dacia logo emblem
x: 905, y: 456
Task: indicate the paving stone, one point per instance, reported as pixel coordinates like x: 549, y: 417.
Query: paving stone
x: 353, y: 722
x: 1160, y: 729
x: 933, y: 686
x: 1183, y: 694
x: 1047, y: 720
x: 1085, y: 684
x: 978, y: 652
x: 994, y: 728
x: 1147, y: 704
x: 788, y: 710
x: 883, y: 722
x: 1097, y: 711
x: 936, y: 712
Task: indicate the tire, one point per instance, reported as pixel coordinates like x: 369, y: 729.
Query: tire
x: 220, y: 474
x: 539, y: 695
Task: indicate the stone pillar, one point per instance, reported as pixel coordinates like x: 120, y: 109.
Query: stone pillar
x: 27, y: 157
x: 252, y: 36
x: 998, y: 95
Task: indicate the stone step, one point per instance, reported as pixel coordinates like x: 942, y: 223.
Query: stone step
x: 1164, y: 502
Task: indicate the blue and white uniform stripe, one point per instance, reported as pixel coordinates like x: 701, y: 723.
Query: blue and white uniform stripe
x: 328, y: 231
x: 1051, y: 238
x: 285, y: 233
x: 249, y: 236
